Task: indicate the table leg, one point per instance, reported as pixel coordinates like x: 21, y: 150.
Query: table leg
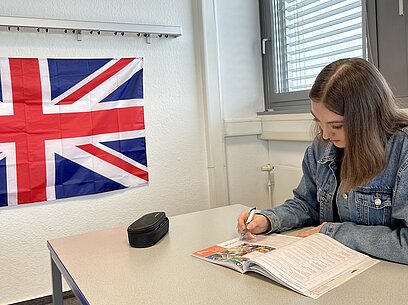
x: 56, y: 284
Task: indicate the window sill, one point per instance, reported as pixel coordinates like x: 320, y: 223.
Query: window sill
x: 279, y: 127
x: 287, y: 127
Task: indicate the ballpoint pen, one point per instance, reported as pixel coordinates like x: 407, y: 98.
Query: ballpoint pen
x: 249, y: 219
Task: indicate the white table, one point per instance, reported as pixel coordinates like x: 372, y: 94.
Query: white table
x: 101, y: 268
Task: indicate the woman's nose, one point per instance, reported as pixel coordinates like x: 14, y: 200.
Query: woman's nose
x: 325, y: 133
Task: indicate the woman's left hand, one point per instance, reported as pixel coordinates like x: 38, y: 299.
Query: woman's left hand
x: 310, y: 231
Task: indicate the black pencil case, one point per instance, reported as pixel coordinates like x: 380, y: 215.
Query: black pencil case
x: 148, y: 230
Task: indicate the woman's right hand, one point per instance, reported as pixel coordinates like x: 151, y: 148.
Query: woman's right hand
x: 259, y: 224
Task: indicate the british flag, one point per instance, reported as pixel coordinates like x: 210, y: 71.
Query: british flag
x: 70, y: 127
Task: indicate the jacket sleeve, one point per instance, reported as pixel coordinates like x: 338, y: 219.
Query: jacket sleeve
x: 388, y: 243
x: 302, y: 210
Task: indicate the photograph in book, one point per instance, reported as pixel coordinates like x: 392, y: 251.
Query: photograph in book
x: 234, y: 253
x: 311, y: 266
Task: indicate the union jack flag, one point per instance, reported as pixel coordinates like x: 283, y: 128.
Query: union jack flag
x: 70, y: 127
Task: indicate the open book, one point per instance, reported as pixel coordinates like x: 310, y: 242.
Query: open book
x: 311, y: 266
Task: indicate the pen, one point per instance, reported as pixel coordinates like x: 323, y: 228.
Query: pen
x: 249, y: 219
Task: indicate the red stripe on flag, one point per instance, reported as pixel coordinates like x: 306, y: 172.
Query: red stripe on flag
x: 85, y: 89
x: 118, y: 162
x: 27, y: 101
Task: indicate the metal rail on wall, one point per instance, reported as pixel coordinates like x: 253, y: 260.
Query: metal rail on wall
x: 90, y: 27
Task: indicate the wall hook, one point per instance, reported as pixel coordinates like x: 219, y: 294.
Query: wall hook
x: 78, y: 26
x: 148, y: 40
x: 79, y: 35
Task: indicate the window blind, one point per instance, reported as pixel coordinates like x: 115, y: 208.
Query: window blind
x: 306, y: 36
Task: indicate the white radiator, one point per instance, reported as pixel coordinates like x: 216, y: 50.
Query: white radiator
x: 285, y: 179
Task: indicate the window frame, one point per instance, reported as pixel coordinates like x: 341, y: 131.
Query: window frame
x: 297, y: 101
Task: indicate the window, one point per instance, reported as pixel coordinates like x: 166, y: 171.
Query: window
x: 300, y: 37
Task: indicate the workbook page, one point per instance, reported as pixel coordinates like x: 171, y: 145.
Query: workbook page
x: 313, y: 265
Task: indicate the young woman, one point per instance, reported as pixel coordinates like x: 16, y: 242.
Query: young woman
x: 355, y: 174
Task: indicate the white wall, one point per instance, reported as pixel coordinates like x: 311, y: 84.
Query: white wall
x: 242, y: 98
x: 240, y: 58
x: 286, y: 156
x: 175, y: 130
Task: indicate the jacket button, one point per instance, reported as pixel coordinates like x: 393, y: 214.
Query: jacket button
x: 345, y: 196
x: 377, y: 201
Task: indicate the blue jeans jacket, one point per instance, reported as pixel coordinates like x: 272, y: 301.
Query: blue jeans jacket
x: 373, y: 217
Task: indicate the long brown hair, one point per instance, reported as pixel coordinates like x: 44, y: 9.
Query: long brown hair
x: 355, y: 89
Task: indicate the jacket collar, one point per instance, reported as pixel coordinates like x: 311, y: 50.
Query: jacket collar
x: 330, y: 152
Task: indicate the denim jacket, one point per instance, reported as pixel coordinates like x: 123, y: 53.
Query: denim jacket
x: 373, y: 217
